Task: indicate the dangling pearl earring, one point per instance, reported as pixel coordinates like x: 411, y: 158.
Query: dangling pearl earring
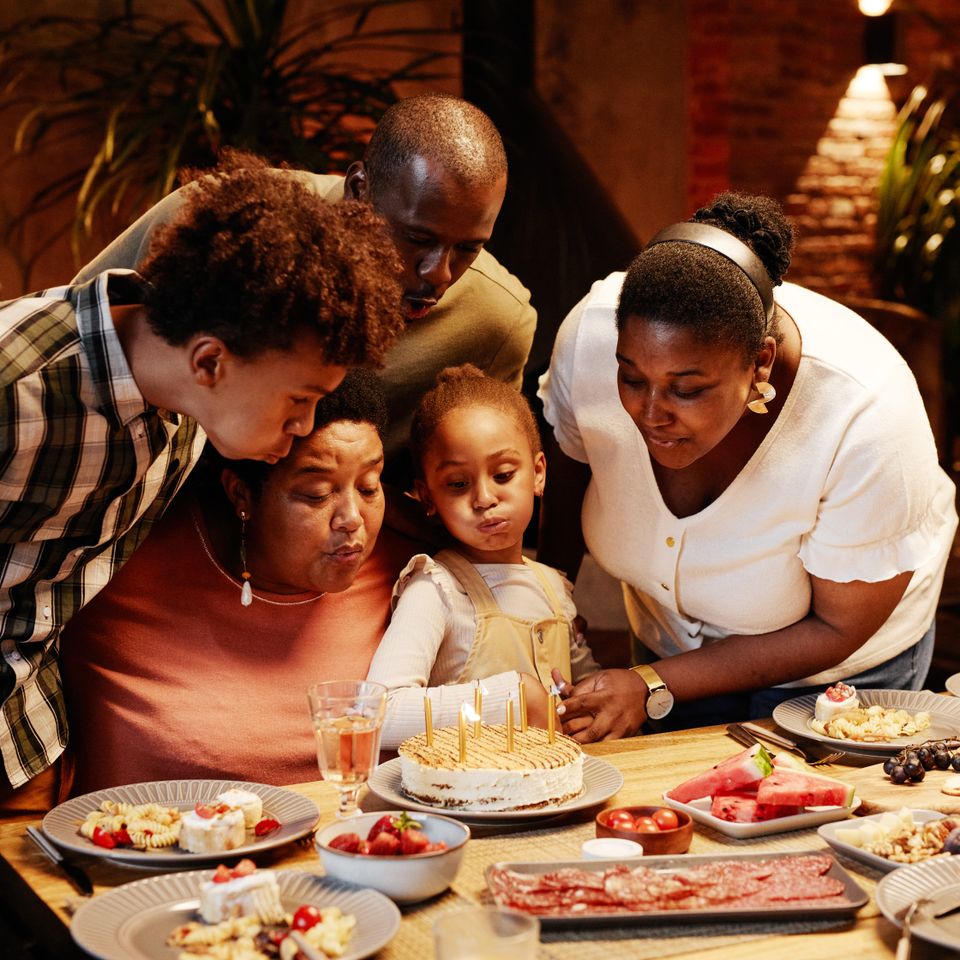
x: 246, y: 591
x: 767, y: 393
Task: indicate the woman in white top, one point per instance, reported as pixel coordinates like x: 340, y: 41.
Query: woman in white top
x: 759, y: 474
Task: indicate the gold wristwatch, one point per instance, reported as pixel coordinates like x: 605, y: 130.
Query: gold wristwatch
x: 660, y: 699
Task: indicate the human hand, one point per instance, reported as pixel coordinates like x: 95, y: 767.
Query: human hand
x: 537, y: 700
x: 607, y: 705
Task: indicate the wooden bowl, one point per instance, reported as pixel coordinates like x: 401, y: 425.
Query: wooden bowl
x: 654, y: 844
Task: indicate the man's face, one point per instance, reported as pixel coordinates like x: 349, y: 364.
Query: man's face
x: 439, y: 224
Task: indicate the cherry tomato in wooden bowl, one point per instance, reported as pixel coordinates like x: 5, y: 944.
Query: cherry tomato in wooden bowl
x: 659, y: 830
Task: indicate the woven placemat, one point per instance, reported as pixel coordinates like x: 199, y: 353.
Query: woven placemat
x: 562, y: 842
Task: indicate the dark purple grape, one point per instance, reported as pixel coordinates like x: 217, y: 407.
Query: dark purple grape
x: 919, y: 775
x: 925, y: 754
x: 955, y: 762
x: 913, y: 768
x: 889, y: 764
x: 898, y: 774
x: 952, y: 843
x: 942, y: 759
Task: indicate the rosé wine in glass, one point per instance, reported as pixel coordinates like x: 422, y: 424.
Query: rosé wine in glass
x: 347, y: 719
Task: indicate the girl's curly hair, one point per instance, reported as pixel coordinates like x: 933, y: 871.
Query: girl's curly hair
x: 255, y: 258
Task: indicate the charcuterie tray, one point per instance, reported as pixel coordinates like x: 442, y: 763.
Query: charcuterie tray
x: 846, y: 903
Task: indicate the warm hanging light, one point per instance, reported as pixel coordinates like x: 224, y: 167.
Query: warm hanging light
x: 874, y: 8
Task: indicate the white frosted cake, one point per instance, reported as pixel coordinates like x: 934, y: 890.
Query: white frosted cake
x: 246, y: 800
x: 534, y: 774
x: 253, y: 895
x: 213, y: 834
x: 840, y: 698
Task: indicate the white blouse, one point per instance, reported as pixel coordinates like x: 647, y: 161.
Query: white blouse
x: 431, y: 634
x: 845, y: 486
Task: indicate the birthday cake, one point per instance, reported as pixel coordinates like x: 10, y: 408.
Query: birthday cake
x: 534, y: 774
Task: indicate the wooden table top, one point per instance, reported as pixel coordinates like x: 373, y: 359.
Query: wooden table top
x: 33, y: 888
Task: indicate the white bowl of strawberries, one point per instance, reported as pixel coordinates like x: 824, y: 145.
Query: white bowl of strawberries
x: 408, y: 857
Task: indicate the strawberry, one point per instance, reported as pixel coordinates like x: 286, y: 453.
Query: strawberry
x: 364, y: 847
x: 384, y: 825
x: 244, y: 868
x: 223, y: 874
x: 265, y: 826
x: 347, y: 842
x: 434, y: 847
x: 385, y: 845
x: 413, y: 841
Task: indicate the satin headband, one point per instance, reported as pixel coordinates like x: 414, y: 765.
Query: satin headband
x: 727, y: 245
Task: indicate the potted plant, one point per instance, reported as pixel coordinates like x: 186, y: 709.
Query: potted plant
x: 138, y: 96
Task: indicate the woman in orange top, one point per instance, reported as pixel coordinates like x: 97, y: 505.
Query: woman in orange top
x: 194, y: 661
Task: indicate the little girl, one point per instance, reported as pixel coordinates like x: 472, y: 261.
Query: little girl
x: 481, y: 610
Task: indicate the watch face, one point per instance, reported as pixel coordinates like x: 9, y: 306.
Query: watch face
x: 659, y: 704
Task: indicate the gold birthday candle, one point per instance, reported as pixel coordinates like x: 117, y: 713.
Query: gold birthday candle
x: 552, y: 716
x: 463, y: 733
x: 523, y: 707
x: 477, y: 709
x: 428, y: 719
x: 509, y: 726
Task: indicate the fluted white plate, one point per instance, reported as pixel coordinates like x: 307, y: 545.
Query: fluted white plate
x: 795, y: 716
x: 953, y: 684
x: 933, y: 878
x: 829, y: 833
x: 296, y: 814
x: 132, y: 922
x: 601, y: 780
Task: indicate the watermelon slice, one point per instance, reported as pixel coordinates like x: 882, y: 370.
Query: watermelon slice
x: 734, y: 773
x: 791, y: 788
x: 743, y: 807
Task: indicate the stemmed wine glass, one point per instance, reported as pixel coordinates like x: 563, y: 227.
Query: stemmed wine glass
x: 347, y: 718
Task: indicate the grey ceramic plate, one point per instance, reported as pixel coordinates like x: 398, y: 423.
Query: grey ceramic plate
x: 932, y: 878
x: 296, y: 814
x: 132, y: 922
x: 829, y: 833
x: 601, y: 780
x: 851, y: 900
x: 795, y: 716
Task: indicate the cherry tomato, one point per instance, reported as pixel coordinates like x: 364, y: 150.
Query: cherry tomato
x: 103, y: 838
x: 306, y: 917
x: 666, y: 819
x: 621, y: 820
x: 265, y: 826
x: 122, y: 837
x: 645, y: 825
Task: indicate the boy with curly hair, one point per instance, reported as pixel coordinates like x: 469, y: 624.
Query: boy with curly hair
x: 252, y: 304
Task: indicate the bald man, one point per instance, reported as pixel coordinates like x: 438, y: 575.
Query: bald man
x: 436, y: 170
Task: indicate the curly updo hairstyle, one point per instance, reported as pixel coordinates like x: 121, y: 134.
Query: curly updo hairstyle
x: 254, y: 257
x: 689, y: 285
x: 466, y: 386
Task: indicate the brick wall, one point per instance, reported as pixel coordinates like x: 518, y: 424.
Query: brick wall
x: 779, y: 105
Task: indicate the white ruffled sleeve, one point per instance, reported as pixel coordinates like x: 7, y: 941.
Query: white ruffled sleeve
x: 422, y: 602
x: 883, y: 503
x: 556, y: 383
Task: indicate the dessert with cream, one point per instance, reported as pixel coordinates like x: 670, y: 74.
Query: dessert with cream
x: 212, y: 828
x: 534, y: 774
x: 839, y: 698
x: 243, y: 891
x: 246, y: 800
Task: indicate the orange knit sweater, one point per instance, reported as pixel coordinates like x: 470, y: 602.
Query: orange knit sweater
x: 168, y: 676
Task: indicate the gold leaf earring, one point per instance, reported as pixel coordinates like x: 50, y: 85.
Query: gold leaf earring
x: 767, y: 393
x: 246, y: 591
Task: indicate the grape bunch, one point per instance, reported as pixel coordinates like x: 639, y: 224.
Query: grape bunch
x: 911, y: 764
